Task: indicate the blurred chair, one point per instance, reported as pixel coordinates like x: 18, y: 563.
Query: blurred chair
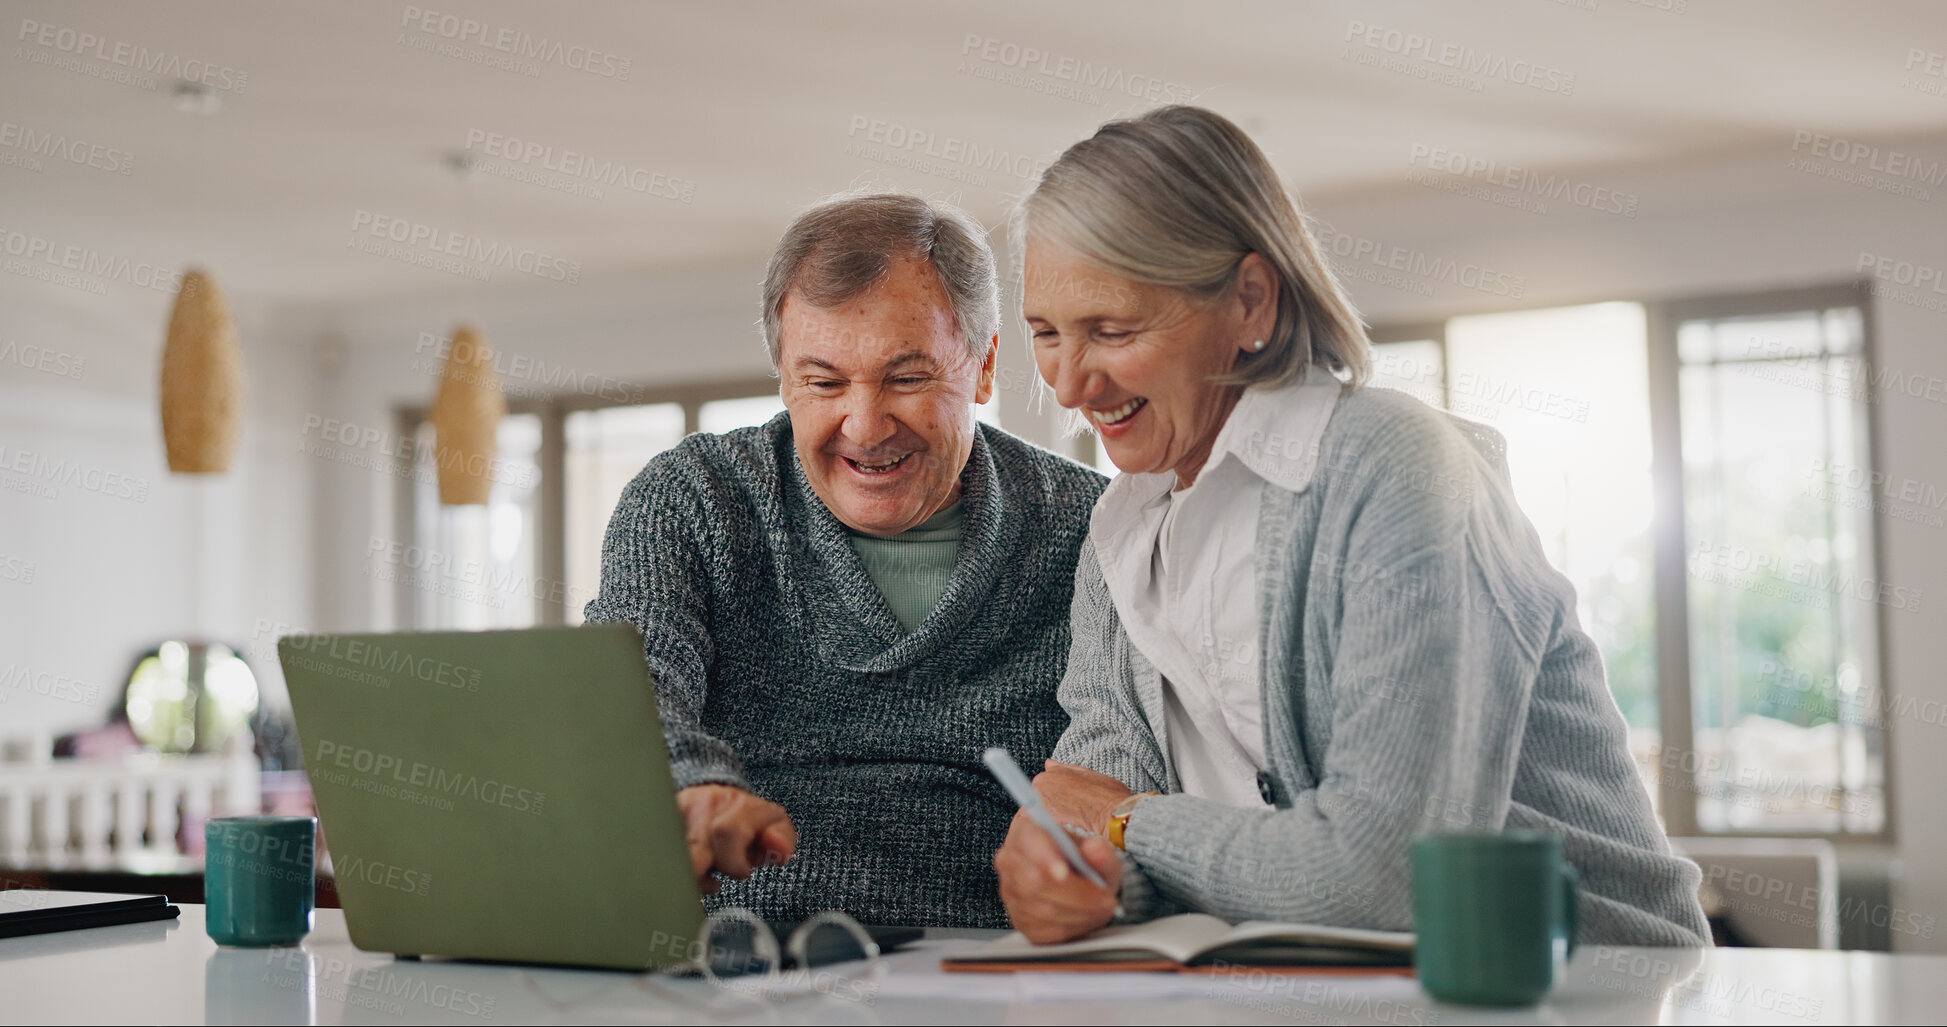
x: 1771, y: 892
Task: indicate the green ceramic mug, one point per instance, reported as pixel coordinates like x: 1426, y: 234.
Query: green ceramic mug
x: 258, y: 876
x: 1494, y: 915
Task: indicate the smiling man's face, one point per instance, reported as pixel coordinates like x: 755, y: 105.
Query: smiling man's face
x: 881, y: 391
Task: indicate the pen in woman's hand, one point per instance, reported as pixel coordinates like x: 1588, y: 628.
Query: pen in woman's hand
x: 1009, y: 775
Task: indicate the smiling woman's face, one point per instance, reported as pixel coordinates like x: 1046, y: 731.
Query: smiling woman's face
x: 1138, y: 360
x: 881, y: 391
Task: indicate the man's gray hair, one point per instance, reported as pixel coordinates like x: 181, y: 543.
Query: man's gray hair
x: 837, y: 250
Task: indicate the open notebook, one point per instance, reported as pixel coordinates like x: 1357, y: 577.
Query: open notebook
x: 1195, y: 941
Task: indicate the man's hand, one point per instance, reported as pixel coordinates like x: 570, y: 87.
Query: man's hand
x: 1078, y: 796
x: 731, y: 831
x: 1046, y: 900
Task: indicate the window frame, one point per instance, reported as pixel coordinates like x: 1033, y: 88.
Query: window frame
x: 1671, y: 542
x: 551, y: 543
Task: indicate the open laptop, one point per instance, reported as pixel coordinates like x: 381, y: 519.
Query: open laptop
x: 501, y: 795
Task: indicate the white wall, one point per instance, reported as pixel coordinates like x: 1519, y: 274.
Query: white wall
x: 127, y: 555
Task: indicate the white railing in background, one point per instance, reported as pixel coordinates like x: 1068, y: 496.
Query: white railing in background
x: 106, y: 813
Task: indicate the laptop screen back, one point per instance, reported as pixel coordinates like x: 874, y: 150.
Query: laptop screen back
x: 496, y: 795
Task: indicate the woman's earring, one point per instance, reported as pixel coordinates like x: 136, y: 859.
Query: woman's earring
x: 1259, y: 344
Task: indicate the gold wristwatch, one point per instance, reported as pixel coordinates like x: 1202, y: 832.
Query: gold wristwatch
x: 1119, y: 817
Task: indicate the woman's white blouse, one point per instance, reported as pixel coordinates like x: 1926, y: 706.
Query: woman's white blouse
x: 1179, y: 566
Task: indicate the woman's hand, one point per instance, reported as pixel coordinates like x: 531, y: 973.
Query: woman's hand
x: 1046, y: 900
x: 1078, y: 796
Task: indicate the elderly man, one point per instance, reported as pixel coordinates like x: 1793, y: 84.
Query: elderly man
x: 843, y: 607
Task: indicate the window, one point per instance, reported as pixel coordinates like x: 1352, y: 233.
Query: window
x: 606, y: 448
x: 1783, y: 599
x: 474, y: 567
x: 1576, y: 416
x: 719, y: 416
x: 1576, y: 419
x: 1700, y: 471
x: 532, y: 554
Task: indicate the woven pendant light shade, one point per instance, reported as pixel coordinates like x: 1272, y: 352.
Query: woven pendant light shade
x: 466, y: 420
x: 202, y: 379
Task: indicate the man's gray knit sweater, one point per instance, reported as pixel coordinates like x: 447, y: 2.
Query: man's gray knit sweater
x: 779, y: 667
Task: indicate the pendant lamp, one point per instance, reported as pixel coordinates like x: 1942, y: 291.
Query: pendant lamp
x: 202, y: 379
x: 466, y: 420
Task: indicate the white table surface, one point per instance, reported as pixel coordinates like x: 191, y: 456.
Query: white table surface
x: 172, y: 973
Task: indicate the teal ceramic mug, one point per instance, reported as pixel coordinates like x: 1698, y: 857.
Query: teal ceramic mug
x: 258, y: 876
x: 1494, y: 915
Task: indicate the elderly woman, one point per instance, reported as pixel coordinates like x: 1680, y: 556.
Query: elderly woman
x: 1310, y: 621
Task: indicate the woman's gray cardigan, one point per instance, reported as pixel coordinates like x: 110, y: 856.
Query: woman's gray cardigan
x: 1423, y: 671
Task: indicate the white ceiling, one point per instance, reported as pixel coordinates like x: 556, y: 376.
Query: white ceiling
x: 756, y: 104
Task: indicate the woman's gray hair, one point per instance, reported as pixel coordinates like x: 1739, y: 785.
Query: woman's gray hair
x: 1178, y: 197
x: 840, y: 248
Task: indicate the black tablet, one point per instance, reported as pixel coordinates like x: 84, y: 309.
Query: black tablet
x: 26, y: 911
